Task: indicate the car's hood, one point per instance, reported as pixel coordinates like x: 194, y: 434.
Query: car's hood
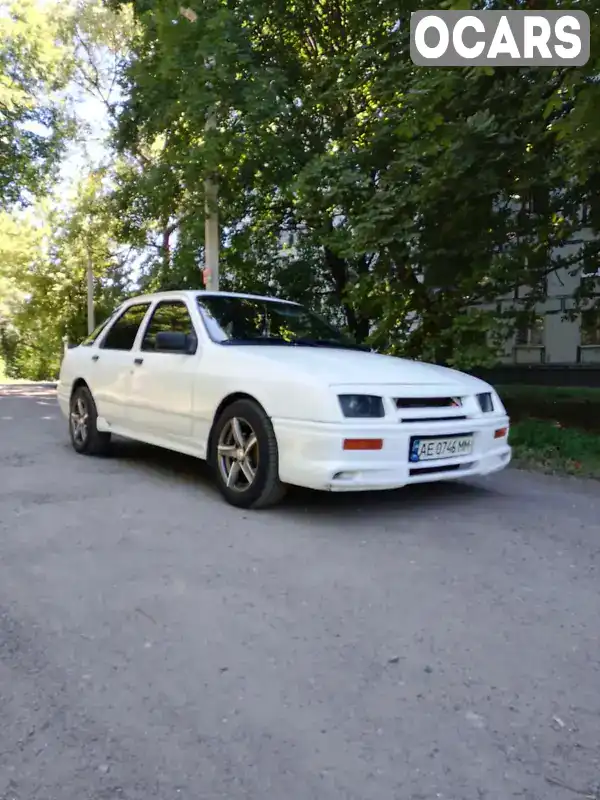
x: 352, y: 367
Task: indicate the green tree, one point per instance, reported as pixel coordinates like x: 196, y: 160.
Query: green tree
x: 34, y: 123
x: 53, y: 284
x: 414, y: 194
x: 57, y: 61
x: 20, y: 241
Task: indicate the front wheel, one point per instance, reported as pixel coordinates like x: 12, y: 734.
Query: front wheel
x: 245, y: 457
x: 85, y: 436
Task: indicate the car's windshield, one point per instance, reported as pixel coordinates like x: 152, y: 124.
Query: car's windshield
x: 250, y: 320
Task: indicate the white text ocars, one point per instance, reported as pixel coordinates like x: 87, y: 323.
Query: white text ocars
x: 270, y: 395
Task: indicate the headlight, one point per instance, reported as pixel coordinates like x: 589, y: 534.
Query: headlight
x: 361, y: 405
x: 486, y: 404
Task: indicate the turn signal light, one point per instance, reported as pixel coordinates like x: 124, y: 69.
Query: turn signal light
x: 500, y: 433
x: 363, y: 444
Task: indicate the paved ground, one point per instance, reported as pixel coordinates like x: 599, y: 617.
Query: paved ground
x: 156, y: 643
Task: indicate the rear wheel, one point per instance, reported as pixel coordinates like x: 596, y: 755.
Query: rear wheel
x: 245, y: 457
x: 85, y: 436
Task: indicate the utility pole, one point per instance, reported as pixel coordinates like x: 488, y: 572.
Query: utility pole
x: 211, y: 189
x: 211, y: 220
x: 90, y: 292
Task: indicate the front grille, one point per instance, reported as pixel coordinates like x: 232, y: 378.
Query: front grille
x: 428, y: 402
x: 444, y: 468
x: 415, y: 420
x: 430, y: 409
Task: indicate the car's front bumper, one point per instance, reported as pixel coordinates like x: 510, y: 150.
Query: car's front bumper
x: 312, y: 455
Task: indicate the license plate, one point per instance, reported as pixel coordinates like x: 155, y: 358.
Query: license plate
x: 446, y: 447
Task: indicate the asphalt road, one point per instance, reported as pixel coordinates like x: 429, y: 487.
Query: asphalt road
x: 442, y: 642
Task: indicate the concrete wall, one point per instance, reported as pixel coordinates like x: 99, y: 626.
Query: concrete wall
x: 562, y: 339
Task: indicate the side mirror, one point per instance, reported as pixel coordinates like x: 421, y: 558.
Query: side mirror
x: 175, y: 342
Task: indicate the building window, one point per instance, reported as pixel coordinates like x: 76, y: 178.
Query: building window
x: 590, y: 328
x: 530, y: 335
x: 536, y: 201
x: 288, y: 238
x: 586, y: 215
x: 591, y: 268
x: 522, y: 291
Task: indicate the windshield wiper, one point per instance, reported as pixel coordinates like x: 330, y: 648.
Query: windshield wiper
x: 332, y: 343
x: 259, y: 340
x: 299, y: 342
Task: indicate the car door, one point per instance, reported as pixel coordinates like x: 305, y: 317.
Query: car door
x: 112, y: 365
x: 162, y: 384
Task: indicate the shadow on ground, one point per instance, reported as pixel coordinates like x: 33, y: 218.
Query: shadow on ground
x: 186, y: 470
x: 189, y: 470
x: 27, y: 389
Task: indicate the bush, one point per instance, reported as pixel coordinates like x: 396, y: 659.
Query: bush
x: 551, y: 447
x: 570, y: 407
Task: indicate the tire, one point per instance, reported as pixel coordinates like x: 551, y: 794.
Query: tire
x: 254, y: 483
x: 86, y: 439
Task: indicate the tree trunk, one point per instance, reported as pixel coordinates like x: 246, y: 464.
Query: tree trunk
x: 166, y: 249
x: 338, y: 267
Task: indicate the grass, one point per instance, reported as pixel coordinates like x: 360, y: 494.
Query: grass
x: 548, y: 447
x: 4, y: 379
x: 555, y: 429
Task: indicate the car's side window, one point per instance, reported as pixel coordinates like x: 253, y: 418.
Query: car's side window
x: 170, y: 316
x: 122, y: 334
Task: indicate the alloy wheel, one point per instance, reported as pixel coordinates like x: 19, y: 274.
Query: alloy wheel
x: 79, y: 421
x: 237, y: 454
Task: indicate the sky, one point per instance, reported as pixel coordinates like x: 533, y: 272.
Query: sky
x: 92, y: 150
x: 85, y: 155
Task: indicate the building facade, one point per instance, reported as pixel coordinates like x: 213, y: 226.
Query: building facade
x: 557, y: 336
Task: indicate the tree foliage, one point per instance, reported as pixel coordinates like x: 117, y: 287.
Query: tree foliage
x: 20, y: 240
x: 414, y: 194
x: 34, y: 69
x: 48, y: 270
x: 101, y: 44
x: 60, y: 63
x: 400, y: 201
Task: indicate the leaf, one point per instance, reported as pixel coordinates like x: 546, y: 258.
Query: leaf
x: 34, y: 68
x: 406, y: 189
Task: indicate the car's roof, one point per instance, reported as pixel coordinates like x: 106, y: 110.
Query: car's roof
x: 193, y: 293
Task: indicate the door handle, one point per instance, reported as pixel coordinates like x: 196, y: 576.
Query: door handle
x: 138, y: 361
x: 95, y: 358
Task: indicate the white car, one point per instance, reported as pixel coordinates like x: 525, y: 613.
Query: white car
x: 270, y: 395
